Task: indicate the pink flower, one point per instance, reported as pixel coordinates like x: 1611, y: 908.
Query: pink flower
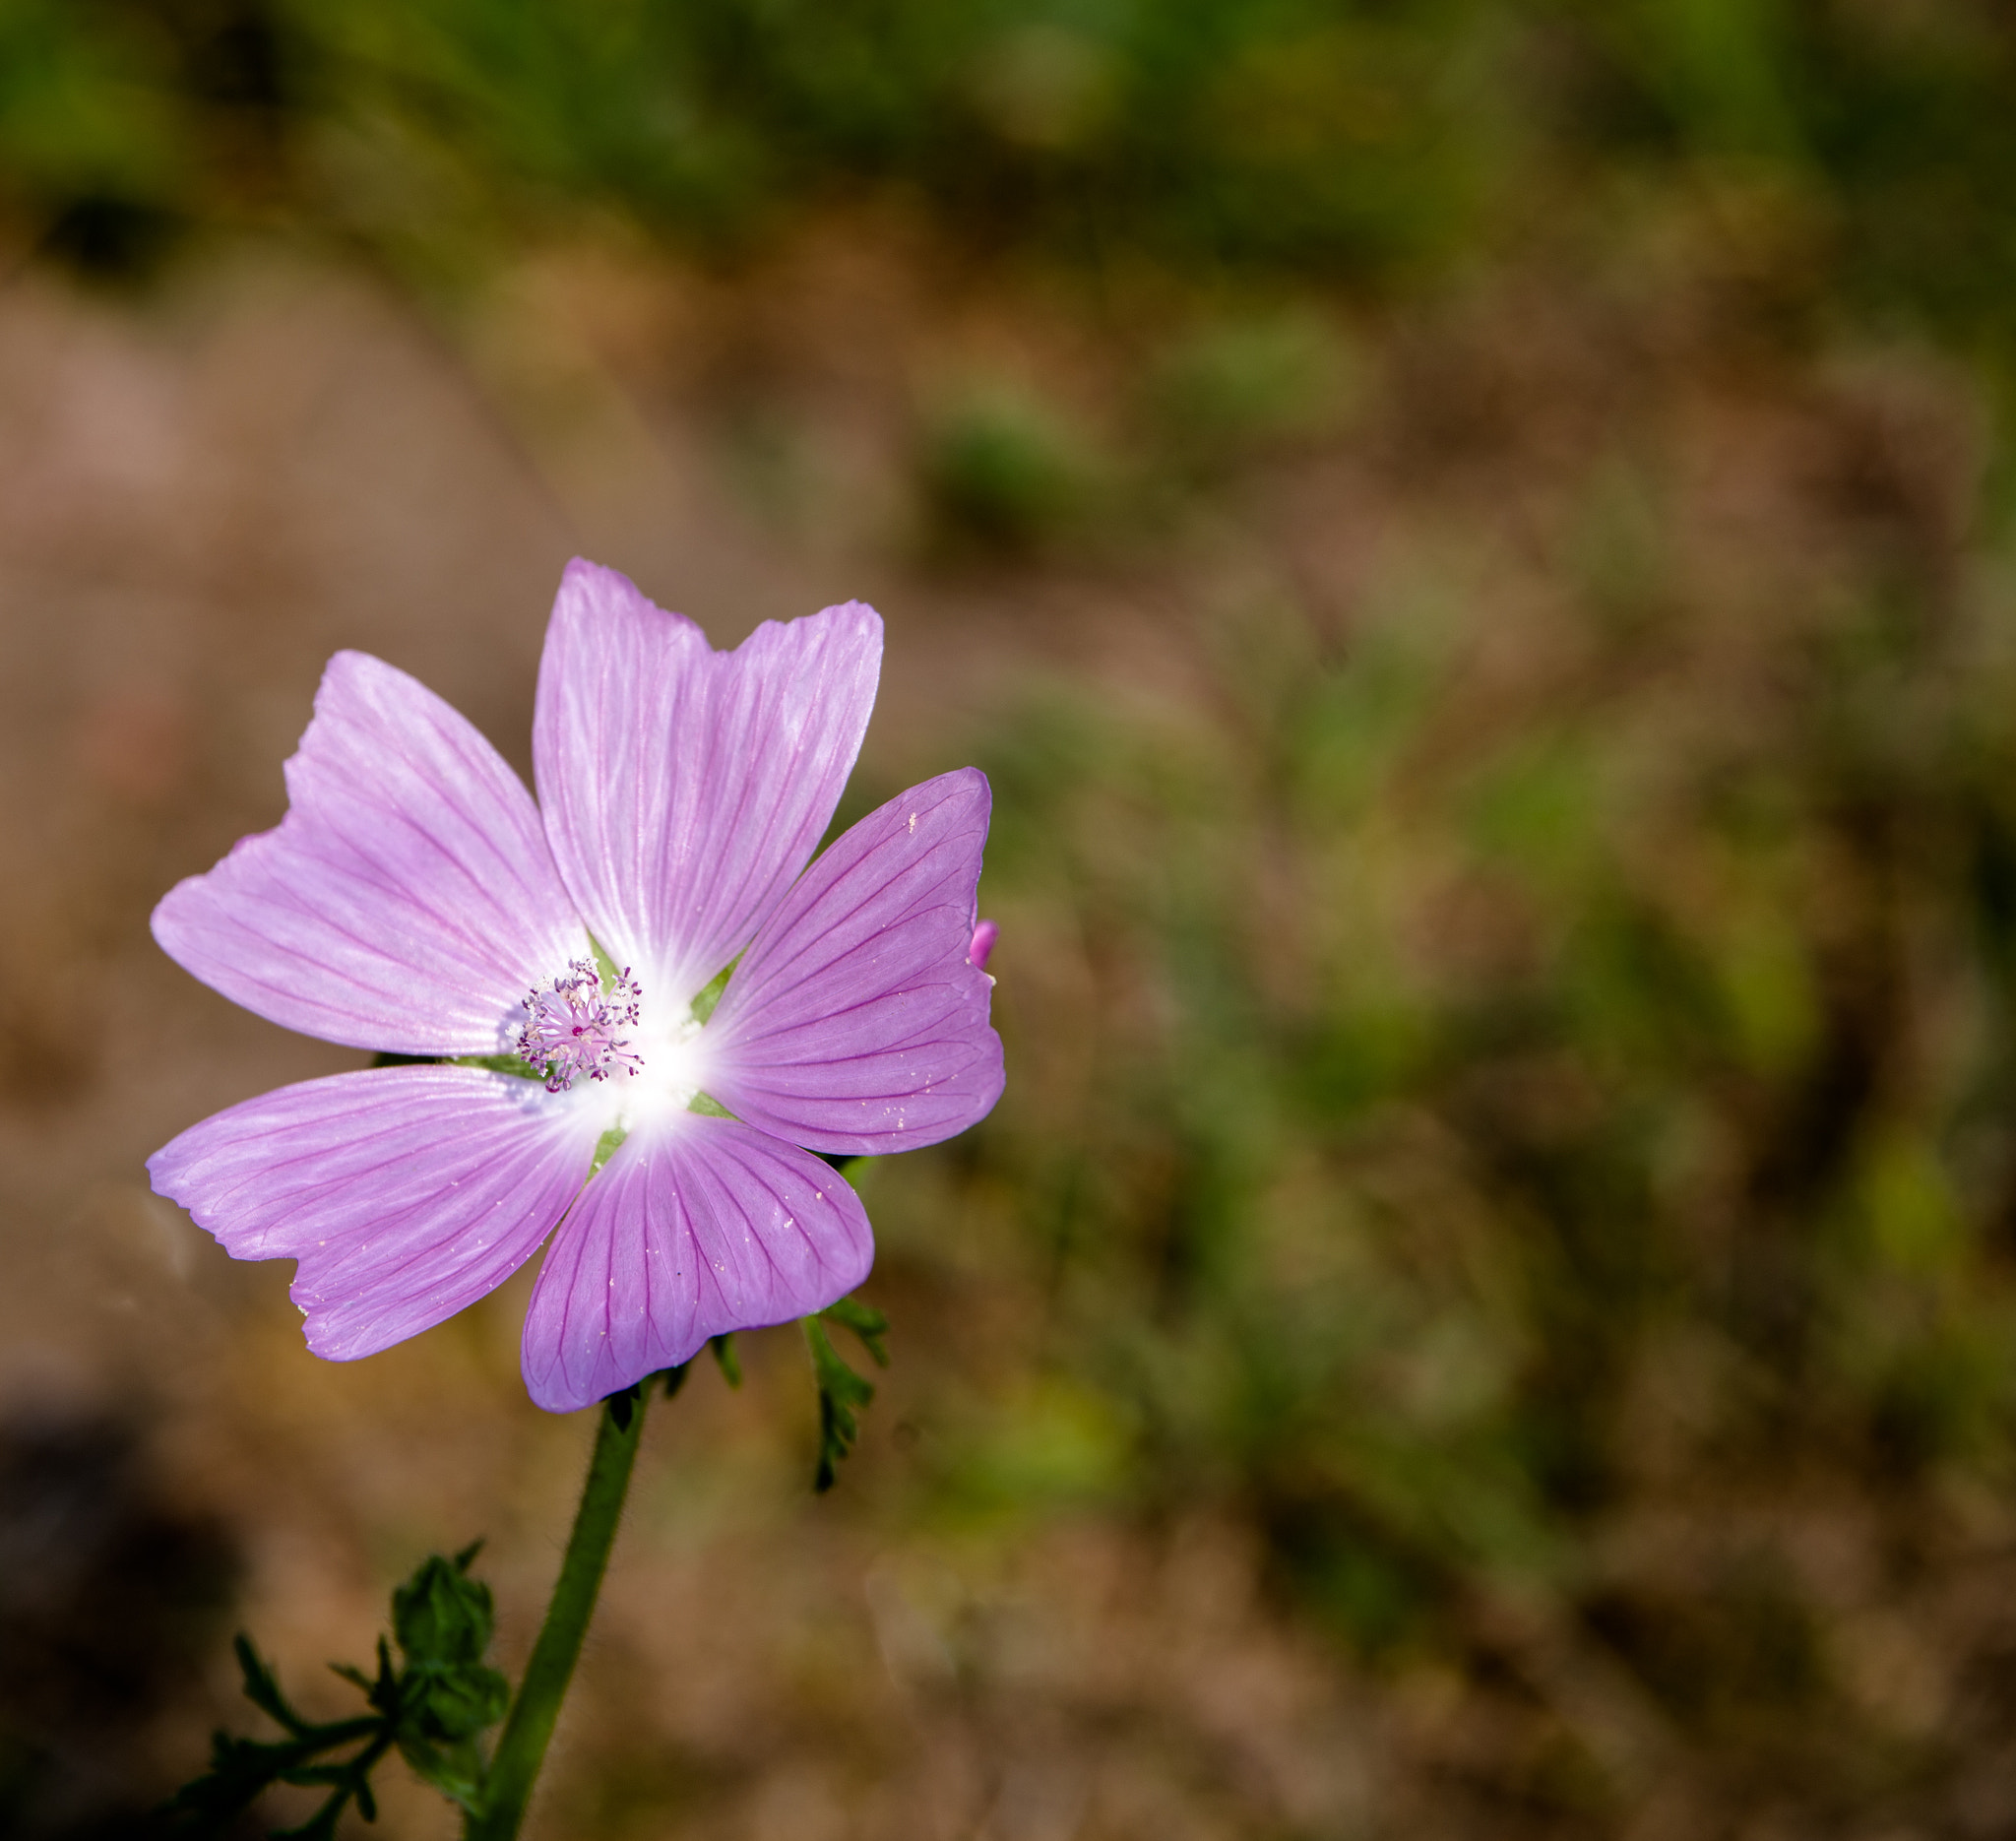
x: 415, y: 900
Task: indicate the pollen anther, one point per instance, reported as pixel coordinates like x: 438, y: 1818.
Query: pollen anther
x: 575, y: 1027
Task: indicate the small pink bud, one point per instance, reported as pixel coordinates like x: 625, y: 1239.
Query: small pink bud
x: 983, y: 937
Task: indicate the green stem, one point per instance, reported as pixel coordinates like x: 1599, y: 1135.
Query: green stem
x: 508, y: 1786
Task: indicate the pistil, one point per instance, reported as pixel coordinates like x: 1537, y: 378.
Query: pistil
x: 579, y: 1027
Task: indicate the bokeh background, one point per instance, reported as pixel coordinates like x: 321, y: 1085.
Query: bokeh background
x: 1473, y: 540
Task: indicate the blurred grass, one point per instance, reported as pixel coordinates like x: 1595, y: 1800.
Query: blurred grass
x: 1002, y: 469
x: 1519, y: 1168
x: 1373, y: 144
x: 1477, y: 1141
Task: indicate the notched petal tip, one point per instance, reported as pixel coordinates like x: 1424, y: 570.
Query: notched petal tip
x: 684, y: 789
x: 593, y: 592
x: 406, y: 898
x: 403, y: 1193
x: 855, y: 617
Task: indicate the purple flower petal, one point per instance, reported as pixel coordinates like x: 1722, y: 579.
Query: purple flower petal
x: 405, y: 1192
x: 691, y: 1231
x: 856, y: 1021
x: 684, y: 789
x: 407, y: 901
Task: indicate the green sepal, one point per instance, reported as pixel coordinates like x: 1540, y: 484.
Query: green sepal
x: 725, y: 1358
x: 605, y: 1146
x: 516, y: 1065
x: 704, y: 1004
x: 608, y: 969
x: 622, y: 1403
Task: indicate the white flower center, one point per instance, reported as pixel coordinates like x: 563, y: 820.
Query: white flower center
x: 672, y: 1069
x: 581, y: 1032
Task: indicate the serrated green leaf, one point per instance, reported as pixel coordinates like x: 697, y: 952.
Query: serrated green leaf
x: 433, y: 1711
x: 841, y: 1392
x: 866, y: 1323
x: 262, y: 1687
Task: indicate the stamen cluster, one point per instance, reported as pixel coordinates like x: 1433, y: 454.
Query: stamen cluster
x: 572, y: 1029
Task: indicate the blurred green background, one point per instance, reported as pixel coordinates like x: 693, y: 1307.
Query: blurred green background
x: 1472, y: 540
x: 1374, y: 145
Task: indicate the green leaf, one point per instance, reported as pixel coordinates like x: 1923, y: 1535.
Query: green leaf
x: 433, y: 1711
x: 262, y: 1687
x: 241, y: 1770
x: 455, y: 1770
x: 866, y: 1323
x: 841, y: 1392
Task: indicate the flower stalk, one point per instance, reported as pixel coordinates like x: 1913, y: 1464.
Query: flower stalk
x: 522, y: 1749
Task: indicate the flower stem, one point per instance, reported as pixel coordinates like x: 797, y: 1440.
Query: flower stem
x: 508, y: 1787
